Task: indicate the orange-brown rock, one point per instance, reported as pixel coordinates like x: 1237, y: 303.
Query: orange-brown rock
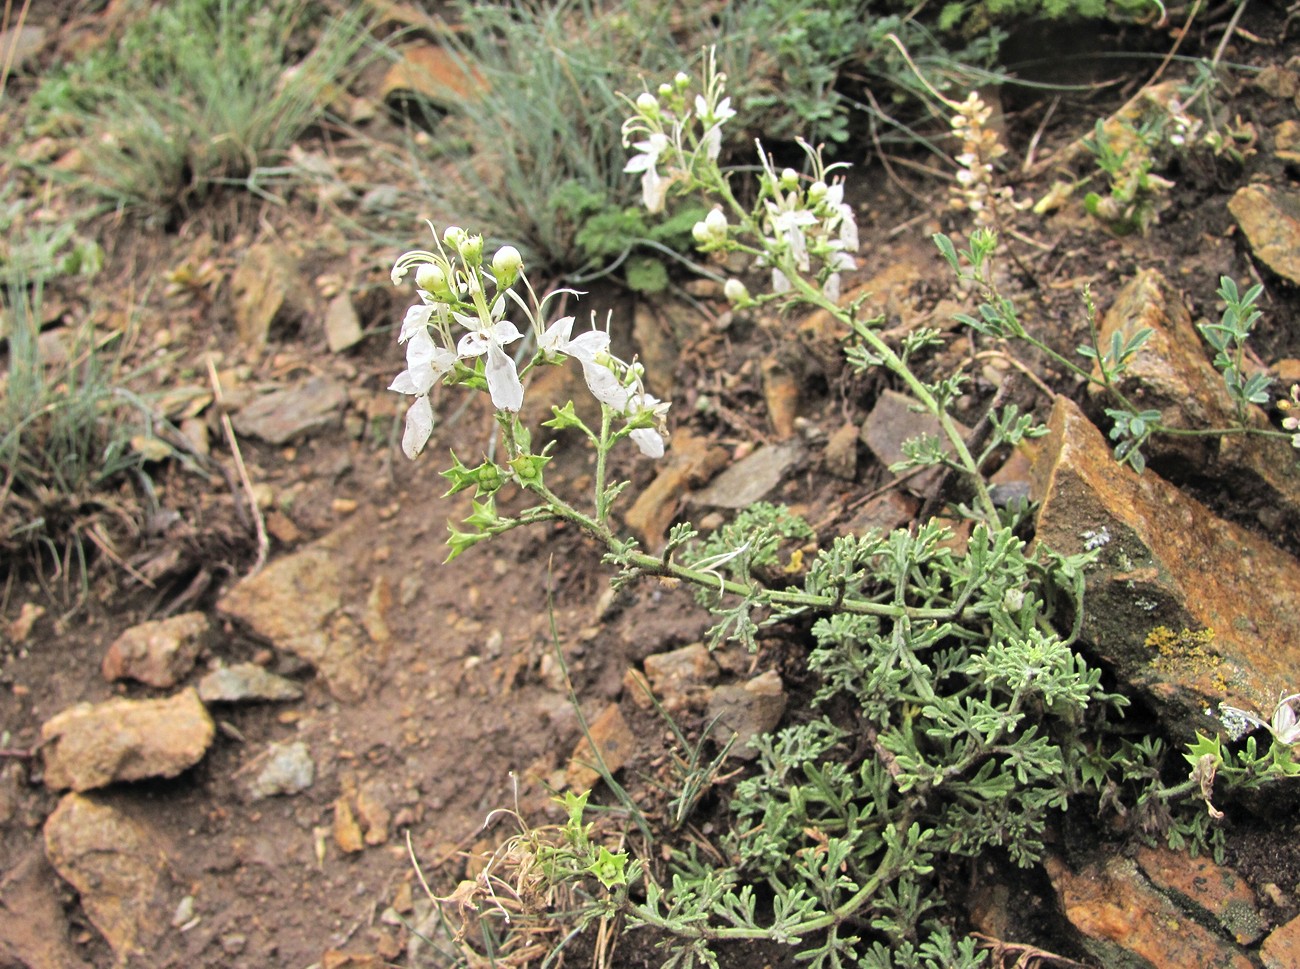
x: 91, y: 745
x: 114, y: 861
x: 613, y: 741
x: 159, y: 653
x: 1122, y: 916
x: 1167, y: 570
x: 1199, y: 881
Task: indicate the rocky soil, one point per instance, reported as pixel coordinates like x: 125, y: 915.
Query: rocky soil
x: 278, y: 714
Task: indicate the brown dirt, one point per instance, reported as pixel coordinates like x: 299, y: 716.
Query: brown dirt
x: 465, y: 714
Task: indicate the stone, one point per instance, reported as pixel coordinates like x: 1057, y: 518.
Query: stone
x: 373, y: 812
x: 1213, y: 888
x: 19, y: 46
x: 752, y: 478
x: 246, y: 681
x: 1172, y: 373
x: 1168, y: 569
x: 429, y: 71
x: 1270, y: 219
x: 1127, y: 923
x: 681, y: 675
x: 160, y: 653
x: 297, y: 604
x: 287, y: 769
x: 94, y: 744
x: 841, y: 455
x: 342, y: 325
x: 657, y: 348
x: 265, y: 286
x: 743, y: 712
x: 894, y: 419
x: 285, y: 415
x: 117, y: 867
x: 33, y: 925
x: 690, y: 460
x: 347, y: 833
x: 612, y: 738
x: 781, y: 393
x: 1281, y: 950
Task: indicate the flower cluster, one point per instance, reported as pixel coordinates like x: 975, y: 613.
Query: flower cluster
x: 802, y: 223
x: 975, y: 191
x: 459, y: 294
x: 807, y: 220
x: 1292, y: 422
x: 677, y: 135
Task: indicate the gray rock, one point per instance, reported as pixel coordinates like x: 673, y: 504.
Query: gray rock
x: 745, y: 711
x: 893, y: 420
x: 20, y: 45
x: 285, y: 415
x: 246, y: 681
x: 288, y: 770
x: 752, y: 478
x: 342, y: 325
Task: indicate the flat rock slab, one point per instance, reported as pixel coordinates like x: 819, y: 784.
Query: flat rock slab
x: 92, y: 745
x: 1129, y: 924
x: 298, y: 604
x: 115, y: 864
x: 752, y: 478
x: 1270, y: 218
x: 1172, y: 374
x: 243, y: 682
x: 286, y: 415
x: 1166, y: 562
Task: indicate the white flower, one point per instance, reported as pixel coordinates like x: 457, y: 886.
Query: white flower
x: 711, y: 140
x: 489, y: 340
x: 654, y: 187
x: 1285, y: 726
x: 588, y: 349
x: 788, y: 225
x: 425, y: 363
x: 650, y: 440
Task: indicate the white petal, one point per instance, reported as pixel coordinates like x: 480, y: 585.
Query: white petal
x: 503, y: 380
x: 419, y: 425
x: 586, y: 346
x: 649, y: 441
x: 504, y: 332
x: 417, y: 317
x: 605, y: 385
x: 556, y: 337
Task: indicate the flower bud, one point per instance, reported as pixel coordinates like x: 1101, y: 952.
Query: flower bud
x: 816, y: 192
x: 682, y: 80
x: 789, y: 179
x: 431, y: 278
x: 454, y: 237
x: 716, y: 220
x: 471, y: 250
x: 735, y: 291
x: 700, y: 233
x: 665, y: 90
x: 506, y: 265
x: 647, y: 104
